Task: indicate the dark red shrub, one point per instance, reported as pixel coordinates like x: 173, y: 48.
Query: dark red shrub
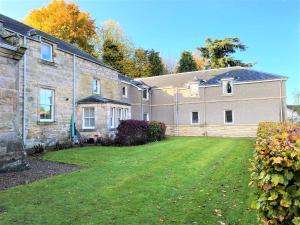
x: 132, y: 132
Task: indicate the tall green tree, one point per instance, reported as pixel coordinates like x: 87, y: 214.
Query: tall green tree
x: 186, y: 63
x: 219, y: 52
x: 113, y: 55
x: 142, y: 64
x: 156, y: 64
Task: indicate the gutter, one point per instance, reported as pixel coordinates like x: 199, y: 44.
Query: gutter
x: 24, y: 94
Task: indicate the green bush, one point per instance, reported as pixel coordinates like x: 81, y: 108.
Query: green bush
x: 276, y: 174
x: 156, y: 131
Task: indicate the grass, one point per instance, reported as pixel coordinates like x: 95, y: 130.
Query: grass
x: 183, y: 180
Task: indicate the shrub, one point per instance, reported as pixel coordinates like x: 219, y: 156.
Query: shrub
x: 105, y: 141
x: 276, y: 173
x: 156, y: 131
x: 132, y: 132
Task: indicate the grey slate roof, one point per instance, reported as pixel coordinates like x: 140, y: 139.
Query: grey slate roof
x: 209, y: 77
x: 132, y: 81
x: 99, y: 99
x: 23, y: 29
x: 243, y: 75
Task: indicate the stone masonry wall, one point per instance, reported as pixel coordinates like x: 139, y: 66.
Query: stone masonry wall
x: 12, y: 156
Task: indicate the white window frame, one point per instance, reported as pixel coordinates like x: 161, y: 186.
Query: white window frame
x: 83, y: 118
x: 51, y: 51
x: 196, y: 86
x: 224, y: 86
x: 147, y: 117
x: 126, y: 92
x: 98, y: 86
x: 147, y: 97
x: 52, y: 104
x: 228, y: 123
x: 192, y: 118
x: 112, y: 117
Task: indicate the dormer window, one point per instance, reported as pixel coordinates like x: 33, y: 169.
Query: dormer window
x: 227, y: 86
x: 194, y: 89
x: 46, y: 52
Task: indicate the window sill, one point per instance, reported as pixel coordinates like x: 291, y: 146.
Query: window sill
x: 228, y: 124
x: 88, y: 129
x: 46, y: 122
x: 46, y: 62
x: 227, y: 95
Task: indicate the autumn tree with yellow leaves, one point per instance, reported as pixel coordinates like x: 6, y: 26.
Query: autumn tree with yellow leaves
x: 66, y: 21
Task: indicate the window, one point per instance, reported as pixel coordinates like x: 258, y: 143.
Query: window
x: 116, y: 115
x: 146, y: 116
x: 227, y: 86
x: 145, y: 94
x: 96, y: 86
x: 195, y: 118
x: 46, y: 52
x: 46, y: 108
x: 228, y: 117
x: 124, y: 91
x: 88, y: 118
x: 194, y: 90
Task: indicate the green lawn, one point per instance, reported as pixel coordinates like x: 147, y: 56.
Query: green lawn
x: 183, y: 180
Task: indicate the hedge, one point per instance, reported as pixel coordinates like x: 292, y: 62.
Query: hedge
x: 276, y: 173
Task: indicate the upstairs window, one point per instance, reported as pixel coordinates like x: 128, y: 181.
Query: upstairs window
x: 46, y: 52
x: 145, y: 94
x: 46, y: 107
x: 96, y: 86
x: 124, y: 92
x: 227, y: 86
x: 195, y: 118
x: 228, y: 117
x: 194, y: 90
x: 146, y: 116
x: 88, y: 118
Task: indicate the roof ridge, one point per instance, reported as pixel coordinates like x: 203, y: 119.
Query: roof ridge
x: 200, y: 71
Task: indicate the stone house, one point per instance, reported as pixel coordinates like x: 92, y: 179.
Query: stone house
x: 48, y: 87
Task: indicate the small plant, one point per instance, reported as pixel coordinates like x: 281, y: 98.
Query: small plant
x: 38, y: 149
x: 105, y: 141
x: 156, y: 131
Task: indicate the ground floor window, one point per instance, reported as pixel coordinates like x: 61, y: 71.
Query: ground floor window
x: 116, y: 115
x: 146, y: 116
x: 88, y: 118
x: 195, y: 118
x: 228, y: 117
x: 46, y: 106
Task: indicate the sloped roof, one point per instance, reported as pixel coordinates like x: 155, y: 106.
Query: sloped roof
x: 243, y: 75
x: 24, y: 29
x: 137, y: 83
x: 99, y: 99
x: 209, y: 77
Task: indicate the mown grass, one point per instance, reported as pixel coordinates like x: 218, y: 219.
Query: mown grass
x: 183, y: 180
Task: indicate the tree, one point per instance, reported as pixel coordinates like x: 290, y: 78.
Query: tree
x: 186, y: 63
x: 64, y: 20
x: 112, y: 55
x: 113, y: 31
x: 156, y: 64
x: 201, y: 62
x: 219, y: 52
x: 142, y: 64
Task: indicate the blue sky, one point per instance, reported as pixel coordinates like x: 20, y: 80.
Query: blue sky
x: 270, y: 29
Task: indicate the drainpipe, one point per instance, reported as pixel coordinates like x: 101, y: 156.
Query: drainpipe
x: 141, y: 104
x: 280, y: 92
x: 74, y: 98
x: 24, y: 94
x: 150, y: 104
x: 204, y: 96
x: 177, y: 109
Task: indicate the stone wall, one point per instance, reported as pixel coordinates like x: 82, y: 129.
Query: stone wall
x: 213, y: 131
x: 12, y: 155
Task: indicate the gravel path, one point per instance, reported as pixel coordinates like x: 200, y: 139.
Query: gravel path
x: 39, y: 169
